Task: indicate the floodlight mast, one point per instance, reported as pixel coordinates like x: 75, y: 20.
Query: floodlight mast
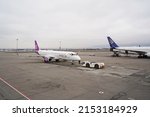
x: 17, y: 46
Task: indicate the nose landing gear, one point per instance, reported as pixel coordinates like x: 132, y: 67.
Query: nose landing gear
x: 79, y: 62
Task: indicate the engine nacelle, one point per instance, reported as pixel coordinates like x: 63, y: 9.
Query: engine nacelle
x: 46, y: 60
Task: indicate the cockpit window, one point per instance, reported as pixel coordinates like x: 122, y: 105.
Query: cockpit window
x: 72, y: 54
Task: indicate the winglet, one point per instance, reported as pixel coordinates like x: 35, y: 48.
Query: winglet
x: 36, y: 47
x: 112, y: 43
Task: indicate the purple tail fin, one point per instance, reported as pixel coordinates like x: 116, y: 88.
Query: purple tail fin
x: 36, y: 47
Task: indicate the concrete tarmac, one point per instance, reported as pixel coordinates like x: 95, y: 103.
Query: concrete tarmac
x: 123, y: 78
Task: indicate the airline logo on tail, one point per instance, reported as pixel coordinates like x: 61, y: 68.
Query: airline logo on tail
x: 112, y: 43
x: 36, y: 47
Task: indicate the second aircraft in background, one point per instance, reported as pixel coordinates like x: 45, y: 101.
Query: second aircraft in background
x: 143, y: 52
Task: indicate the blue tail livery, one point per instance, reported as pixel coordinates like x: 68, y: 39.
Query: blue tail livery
x: 112, y: 43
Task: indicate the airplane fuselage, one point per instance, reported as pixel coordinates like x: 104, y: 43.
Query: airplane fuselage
x: 50, y: 55
x: 142, y: 49
x: 57, y: 55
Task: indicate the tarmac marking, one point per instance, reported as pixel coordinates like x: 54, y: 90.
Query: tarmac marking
x: 14, y: 89
x: 100, y: 92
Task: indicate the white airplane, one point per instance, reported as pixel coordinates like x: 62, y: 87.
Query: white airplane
x: 143, y: 52
x: 50, y: 55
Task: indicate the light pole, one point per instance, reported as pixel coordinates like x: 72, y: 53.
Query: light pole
x: 60, y: 45
x: 17, y: 46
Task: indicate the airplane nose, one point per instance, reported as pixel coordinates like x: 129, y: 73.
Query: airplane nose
x: 78, y: 58
x: 75, y: 58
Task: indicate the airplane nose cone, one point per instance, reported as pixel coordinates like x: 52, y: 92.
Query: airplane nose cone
x: 78, y: 58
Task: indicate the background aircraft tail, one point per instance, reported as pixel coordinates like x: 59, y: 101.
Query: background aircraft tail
x: 36, y: 47
x: 112, y: 43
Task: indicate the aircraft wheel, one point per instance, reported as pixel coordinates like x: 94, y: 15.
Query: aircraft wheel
x: 117, y: 55
x: 96, y: 66
x: 79, y: 62
x: 145, y: 56
x: 57, y: 60
x: 87, y: 65
x: 139, y: 56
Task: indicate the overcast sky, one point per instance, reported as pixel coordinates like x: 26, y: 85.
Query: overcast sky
x: 76, y: 23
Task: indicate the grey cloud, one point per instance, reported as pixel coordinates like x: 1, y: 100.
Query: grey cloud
x: 77, y: 23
